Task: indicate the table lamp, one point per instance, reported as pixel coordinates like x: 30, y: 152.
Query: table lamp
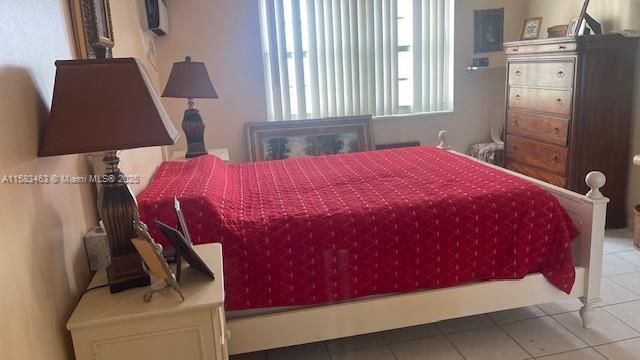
x: 190, y: 80
x: 103, y: 106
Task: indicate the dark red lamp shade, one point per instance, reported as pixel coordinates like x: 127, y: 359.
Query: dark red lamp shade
x: 189, y: 80
x: 103, y: 105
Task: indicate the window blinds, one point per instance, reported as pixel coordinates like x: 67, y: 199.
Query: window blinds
x: 326, y: 58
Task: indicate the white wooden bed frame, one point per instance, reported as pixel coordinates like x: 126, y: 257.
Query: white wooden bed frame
x: 293, y: 327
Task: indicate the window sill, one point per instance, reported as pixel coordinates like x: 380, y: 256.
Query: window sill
x: 413, y: 115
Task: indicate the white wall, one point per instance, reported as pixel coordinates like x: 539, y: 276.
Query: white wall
x: 615, y: 15
x: 225, y: 35
x: 42, y: 259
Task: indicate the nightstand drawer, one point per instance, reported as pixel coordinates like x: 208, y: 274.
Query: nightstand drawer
x: 530, y: 152
x: 188, y: 336
x: 541, y: 100
x: 548, y: 129
x: 554, y: 74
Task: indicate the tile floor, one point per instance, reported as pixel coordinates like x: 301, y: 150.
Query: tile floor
x: 548, y: 331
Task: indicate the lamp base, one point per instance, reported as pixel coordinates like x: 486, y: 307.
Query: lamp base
x: 118, y: 208
x: 193, y: 128
x: 125, y: 273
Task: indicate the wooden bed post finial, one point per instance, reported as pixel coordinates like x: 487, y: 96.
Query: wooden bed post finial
x: 595, y: 180
x: 444, y: 138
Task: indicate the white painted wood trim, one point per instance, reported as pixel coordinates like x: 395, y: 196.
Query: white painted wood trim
x: 390, y: 312
x: 254, y: 333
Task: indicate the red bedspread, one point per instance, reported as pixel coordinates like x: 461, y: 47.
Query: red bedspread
x: 324, y: 229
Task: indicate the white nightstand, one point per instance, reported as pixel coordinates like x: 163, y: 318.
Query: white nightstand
x: 221, y: 153
x: 122, y: 326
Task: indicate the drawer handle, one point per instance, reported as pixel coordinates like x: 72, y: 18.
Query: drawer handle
x: 555, y: 159
x: 515, y: 122
x: 559, y: 102
x: 562, y: 47
x: 518, y: 97
x: 518, y: 73
x: 560, y: 74
x: 514, y: 147
x: 514, y: 49
x: 556, y: 131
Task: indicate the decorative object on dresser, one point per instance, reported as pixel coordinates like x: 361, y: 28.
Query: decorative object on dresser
x: 488, y: 32
x: 569, y: 104
x: 531, y: 28
x: 279, y: 140
x: 558, y: 31
x: 584, y: 20
x: 104, y: 106
x: 573, y: 29
x: 92, y: 28
x: 190, y: 80
x: 122, y: 326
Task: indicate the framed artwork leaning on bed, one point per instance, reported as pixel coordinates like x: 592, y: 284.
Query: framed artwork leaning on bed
x: 280, y: 140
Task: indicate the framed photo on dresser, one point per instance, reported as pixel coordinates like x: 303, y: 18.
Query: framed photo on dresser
x: 531, y: 28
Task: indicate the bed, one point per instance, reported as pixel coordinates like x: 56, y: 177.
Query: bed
x: 373, y: 241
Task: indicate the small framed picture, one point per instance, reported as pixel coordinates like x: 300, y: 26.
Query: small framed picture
x: 531, y: 28
x: 573, y: 29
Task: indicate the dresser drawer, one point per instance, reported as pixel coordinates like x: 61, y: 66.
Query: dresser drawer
x: 556, y: 74
x: 547, y: 129
x: 548, y: 157
x: 541, y: 100
x: 541, y: 48
x: 545, y: 176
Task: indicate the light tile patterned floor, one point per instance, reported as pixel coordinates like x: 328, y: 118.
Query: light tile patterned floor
x: 548, y: 331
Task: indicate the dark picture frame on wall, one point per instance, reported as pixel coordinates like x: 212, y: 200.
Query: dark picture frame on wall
x: 488, y: 32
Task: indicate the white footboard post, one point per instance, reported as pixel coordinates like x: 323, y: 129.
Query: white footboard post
x: 444, y: 140
x: 592, y: 247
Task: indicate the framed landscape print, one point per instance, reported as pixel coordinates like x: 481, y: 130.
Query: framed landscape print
x: 280, y: 140
x: 488, y: 30
x: 531, y: 28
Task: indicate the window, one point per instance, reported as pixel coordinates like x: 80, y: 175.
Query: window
x: 349, y: 57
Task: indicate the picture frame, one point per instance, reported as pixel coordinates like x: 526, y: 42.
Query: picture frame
x: 280, y: 140
x: 92, y: 28
x: 183, y: 249
x: 573, y: 29
x: 581, y: 18
x: 156, y: 264
x: 182, y: 223
x: 488, y: 34
x: 531, y: 28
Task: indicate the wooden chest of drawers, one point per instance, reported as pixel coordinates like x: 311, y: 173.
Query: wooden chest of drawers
x: 569, y: 103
